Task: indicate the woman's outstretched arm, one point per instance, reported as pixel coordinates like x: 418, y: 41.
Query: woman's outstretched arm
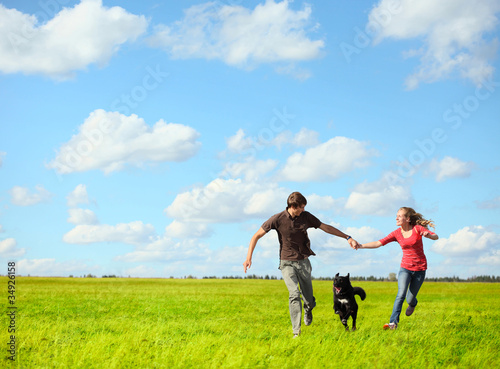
x: 370, y: 245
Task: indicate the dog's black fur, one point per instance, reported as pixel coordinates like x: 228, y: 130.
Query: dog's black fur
x: 344, y: 302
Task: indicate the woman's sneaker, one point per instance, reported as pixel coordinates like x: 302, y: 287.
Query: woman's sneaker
x: 409, y: 310
x: 391, y: 326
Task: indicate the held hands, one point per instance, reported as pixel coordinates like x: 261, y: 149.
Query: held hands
x: 353, y: 243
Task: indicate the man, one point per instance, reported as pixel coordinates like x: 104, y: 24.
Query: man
x: 295, y: 249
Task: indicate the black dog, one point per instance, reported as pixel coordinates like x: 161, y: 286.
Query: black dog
x: 344, y: 302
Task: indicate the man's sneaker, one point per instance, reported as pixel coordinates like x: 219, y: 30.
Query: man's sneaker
x: 391, y: 326
x: 308, y: 317
x: 409, y: 310
x: 296, y: 335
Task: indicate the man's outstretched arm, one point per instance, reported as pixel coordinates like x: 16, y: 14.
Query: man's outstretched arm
x: 253, y: 242
x: 336, y: 232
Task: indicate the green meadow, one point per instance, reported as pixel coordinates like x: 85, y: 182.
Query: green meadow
x: 230, y: 323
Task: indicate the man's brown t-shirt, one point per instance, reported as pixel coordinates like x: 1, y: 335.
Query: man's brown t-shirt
x: 292, y: 233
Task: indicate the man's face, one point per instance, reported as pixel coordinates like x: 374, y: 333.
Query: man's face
x: 295, y: 212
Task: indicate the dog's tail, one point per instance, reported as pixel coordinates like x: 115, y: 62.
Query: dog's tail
x: 360, y: 292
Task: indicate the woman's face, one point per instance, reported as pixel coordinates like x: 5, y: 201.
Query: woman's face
x: 401, y: 218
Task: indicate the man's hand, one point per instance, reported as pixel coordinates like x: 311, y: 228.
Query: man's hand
x: 353, y: 243
x: 247, y: 264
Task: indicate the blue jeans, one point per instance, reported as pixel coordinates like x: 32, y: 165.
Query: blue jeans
x: 409, y: 283
x: 298, y: 274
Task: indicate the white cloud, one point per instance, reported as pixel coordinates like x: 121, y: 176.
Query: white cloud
x: 239, y: 143
x: 298, y: 73
x: 228, y: 201
x: 82, y: 216
x: 191, y: 258
x: 226, y: 261
x: 450, y: 168
x: 379, y: 198
x: 21, y: 196
x: 489, y: 204
x: 109, y: 140
x: 492, y: 258
x: 471, y: 241
x: 272, y: 32
x: 8, y: 249
x: 134, y: 233
x: 88, y: 33
x: 165, y: 249
x: 265, y: 200
x: 250, y: 170
x: 178, y: 229
x: 304, y: 138
x: 77, y: 215
x: 325, y: 203
x: 51, y: 268
x: 247, y: 193
x: 142, y: 271
x: 364, y: 234
x: 2, y: 154
x: 78, y: 196
x: 327, y: 161
x: 471, y: 251
x: 455, y: 34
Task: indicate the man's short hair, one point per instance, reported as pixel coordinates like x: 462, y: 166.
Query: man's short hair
x: 296, y: 200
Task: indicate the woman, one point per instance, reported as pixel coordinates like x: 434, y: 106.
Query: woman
x: 413, y: 227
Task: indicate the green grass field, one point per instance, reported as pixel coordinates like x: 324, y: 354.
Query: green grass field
x: 167, y: 323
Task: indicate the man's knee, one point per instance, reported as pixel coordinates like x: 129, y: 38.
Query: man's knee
x: 294, y: 296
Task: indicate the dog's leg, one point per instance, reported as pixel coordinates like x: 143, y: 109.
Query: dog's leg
x: 336, y: 307
x: 344, y: 316
x: 354, y: 315
x: 347, y: 314
x: 344, y: 322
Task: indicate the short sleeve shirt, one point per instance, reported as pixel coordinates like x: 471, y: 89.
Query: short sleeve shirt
x: 413, y: 248
x: 292, y: 233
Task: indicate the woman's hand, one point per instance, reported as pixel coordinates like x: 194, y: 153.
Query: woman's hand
x: 429, y: 235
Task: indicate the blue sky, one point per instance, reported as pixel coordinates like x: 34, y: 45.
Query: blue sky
x: 153, y: 138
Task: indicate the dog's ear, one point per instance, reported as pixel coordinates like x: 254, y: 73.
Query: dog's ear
x: 347, y: 275
x: 336, y: 275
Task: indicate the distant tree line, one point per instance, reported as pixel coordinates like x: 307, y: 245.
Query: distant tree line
x: 390, y: 278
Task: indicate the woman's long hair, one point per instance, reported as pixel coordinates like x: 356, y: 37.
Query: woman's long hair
x: 417, y: 218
